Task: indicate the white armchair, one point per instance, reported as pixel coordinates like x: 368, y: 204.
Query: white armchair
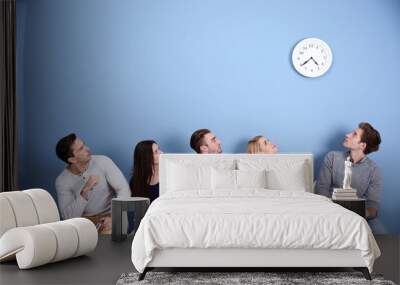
x: 31, y: 230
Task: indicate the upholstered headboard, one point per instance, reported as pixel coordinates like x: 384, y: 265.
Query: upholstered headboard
x: 285, y: 166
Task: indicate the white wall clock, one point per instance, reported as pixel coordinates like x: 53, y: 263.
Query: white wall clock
x: 312, y: 57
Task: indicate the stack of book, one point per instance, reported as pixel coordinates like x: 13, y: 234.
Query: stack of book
x: 344, y: 194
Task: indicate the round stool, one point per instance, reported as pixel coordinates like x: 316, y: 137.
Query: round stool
x: 119, y: 209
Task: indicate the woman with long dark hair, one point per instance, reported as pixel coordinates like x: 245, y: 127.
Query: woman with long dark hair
x: 144, y: 180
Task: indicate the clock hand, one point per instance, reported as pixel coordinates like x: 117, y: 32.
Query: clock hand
x: 306, y: 61
x: 314, y: 60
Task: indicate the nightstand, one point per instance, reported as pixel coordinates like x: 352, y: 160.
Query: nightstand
x: 124, y: 209
x: 357, y: 206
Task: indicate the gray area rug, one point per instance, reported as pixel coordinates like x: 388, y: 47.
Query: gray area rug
x: 226, y: 278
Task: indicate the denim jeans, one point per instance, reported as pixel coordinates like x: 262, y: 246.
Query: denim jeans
x: 377, y: 226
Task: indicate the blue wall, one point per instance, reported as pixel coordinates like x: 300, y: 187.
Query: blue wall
x: 116, y: 72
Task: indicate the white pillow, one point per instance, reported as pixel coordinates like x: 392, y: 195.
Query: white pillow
x: 282, y: 173
x: 251, y: 178
x: 293, y: 178
x: 181, y: 177
x: 224, y: 179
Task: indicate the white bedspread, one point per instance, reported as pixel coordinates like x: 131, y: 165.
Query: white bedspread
x: 250, y: 219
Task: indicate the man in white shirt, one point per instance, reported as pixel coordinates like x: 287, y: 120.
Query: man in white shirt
x: 88, y: 183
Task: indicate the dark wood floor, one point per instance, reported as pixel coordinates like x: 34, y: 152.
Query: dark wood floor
x: 111, y: 259
x: 389, y: 262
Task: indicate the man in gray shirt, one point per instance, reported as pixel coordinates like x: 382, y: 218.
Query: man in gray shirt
x: 88, y: 183
x: 366, y: 176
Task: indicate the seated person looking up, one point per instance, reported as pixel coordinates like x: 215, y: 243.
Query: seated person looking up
x: 366, y: 176
x: 259, y: 144
x: 204, y: 141
x: 88, y: 183
x: 144, y: 180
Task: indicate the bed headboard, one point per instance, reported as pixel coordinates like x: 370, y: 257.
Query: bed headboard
x: 235, y: 162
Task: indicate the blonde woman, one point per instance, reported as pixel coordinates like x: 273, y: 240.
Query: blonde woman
x: 259, y: 144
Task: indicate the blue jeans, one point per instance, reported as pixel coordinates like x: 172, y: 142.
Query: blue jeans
x: 377, y: 226
x: 131, y: 221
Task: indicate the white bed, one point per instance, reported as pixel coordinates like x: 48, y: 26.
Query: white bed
x: 239, y: 210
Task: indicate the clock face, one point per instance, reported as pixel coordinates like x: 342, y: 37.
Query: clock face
x: 312, y: 57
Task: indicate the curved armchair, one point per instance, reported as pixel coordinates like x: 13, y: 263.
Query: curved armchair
x: 31, y: 230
